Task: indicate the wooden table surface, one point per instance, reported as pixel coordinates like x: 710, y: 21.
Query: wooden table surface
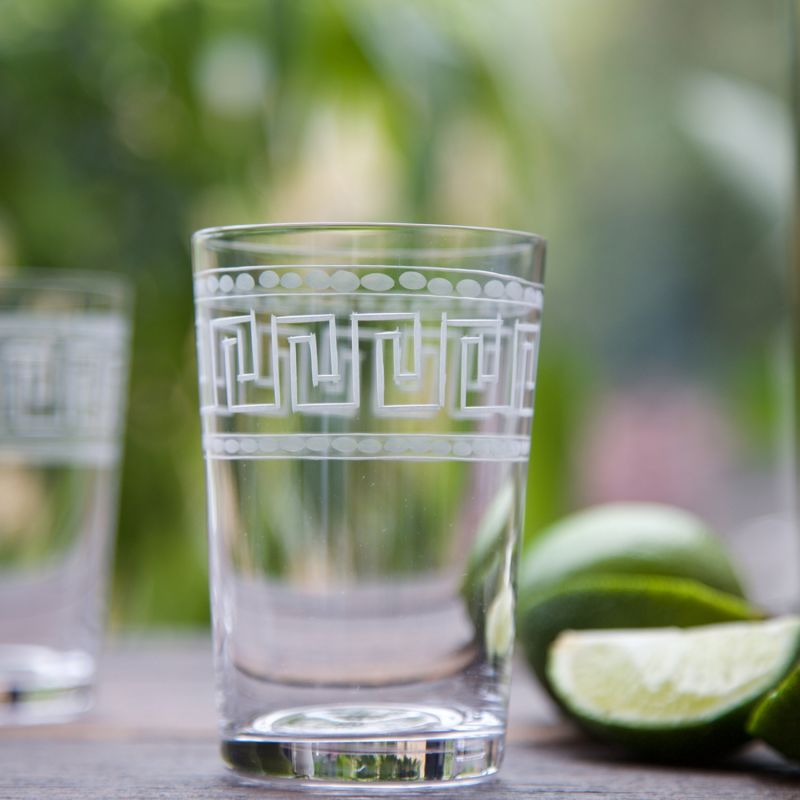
x: 152, y: 735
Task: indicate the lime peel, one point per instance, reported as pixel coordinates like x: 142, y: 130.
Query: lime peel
x: 776, y: 719
x: 633, y: 538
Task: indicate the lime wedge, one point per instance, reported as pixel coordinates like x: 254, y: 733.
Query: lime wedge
x: 619, y: 601
x: 672, y: 693
x: 630, y: 538
x: 776, y: 718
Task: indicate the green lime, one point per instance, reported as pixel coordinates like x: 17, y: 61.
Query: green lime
x: 486, y: 584
x: 638, y: 538
x: 620, y: 601
x: 671, y: 693
x: 776, y: 718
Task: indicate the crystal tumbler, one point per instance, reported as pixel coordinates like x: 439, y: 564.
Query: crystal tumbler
x: 366, y: 401
x: 63, y: 368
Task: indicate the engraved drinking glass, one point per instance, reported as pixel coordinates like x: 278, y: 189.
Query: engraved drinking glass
x: 63, y: 357
x: 366, y: 399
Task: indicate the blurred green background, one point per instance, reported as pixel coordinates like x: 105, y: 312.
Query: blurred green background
x: 648, y: 140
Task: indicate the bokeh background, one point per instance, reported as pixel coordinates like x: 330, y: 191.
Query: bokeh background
x: 649, y: 140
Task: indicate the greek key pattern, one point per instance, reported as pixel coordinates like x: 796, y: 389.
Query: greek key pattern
x: 315, y: 364
x: 60, y: 383
x: 408, y: 447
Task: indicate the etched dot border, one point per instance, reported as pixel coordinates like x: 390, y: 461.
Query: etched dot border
x: 219, y: 284
x: 398, y: 447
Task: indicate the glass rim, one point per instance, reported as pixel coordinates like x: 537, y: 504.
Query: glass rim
x: 76, y: 279
x: 232, y: 236
x: 102, y: 283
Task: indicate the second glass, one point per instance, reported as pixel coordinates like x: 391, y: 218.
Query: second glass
x: 366, y: 396
x: 63, y: 373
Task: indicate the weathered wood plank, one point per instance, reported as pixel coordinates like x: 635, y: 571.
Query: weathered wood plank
x: 176, y: 769
x: 153, y: 736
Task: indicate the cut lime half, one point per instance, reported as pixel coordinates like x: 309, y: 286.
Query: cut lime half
x: 620, y: 601
x: 672, y: 693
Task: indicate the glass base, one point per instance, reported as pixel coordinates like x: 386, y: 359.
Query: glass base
x: 39, y: 685
x: 377, y: 746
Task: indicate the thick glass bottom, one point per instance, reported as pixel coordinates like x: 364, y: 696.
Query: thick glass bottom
x: 40, y: 685
x: 380, y: 746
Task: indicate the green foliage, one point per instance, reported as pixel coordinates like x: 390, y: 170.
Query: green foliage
x: 126, y: 124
